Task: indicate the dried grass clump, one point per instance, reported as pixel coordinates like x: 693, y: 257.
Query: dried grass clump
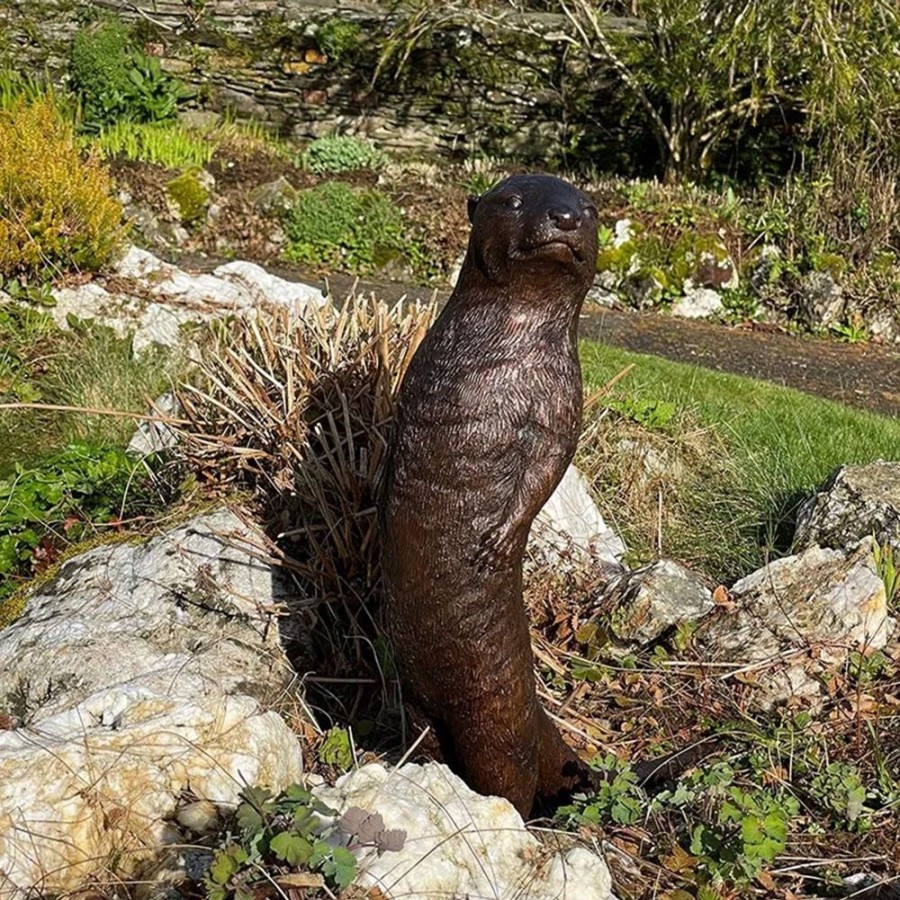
x: 56, y: 208
x: 297, y: 410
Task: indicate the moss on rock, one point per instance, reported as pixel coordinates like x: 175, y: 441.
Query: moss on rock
x: 190, y: 197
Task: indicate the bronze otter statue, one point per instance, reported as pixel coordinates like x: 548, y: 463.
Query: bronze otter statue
x: 488, y: 419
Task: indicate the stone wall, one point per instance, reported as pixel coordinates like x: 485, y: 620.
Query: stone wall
x: 502, y: 83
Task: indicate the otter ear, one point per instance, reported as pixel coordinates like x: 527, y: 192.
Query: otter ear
x: 473, y: 202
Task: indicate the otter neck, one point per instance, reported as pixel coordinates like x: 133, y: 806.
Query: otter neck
x: 548, y: 301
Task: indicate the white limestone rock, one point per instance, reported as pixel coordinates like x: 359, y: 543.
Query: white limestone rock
x: 139, y: 264
x: 571, y: 528
x: 160, y: 326
x: 698, y: 303
x: 91, y: 302
x: 821, y: 300
x: 799, y: 618
x: 651, y: 600
x: 267, y: 288
x: 855, y: 502
x: 141, y: 672
x: 458, y: 843
x: 156, y: 437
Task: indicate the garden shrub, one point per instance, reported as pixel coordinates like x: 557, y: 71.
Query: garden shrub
x: 115, y: 81
x: 333, y: 224
x: 56, y: 212
x: 341, y: 153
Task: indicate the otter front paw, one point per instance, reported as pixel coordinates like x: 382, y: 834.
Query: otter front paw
x: 497, y: 547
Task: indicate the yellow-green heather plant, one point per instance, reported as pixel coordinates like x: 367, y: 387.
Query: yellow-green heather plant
x: 56, y: 208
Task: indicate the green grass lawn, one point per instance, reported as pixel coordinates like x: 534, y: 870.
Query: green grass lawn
x: 746, y: 452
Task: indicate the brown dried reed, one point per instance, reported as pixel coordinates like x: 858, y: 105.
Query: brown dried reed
x: 297, y: 410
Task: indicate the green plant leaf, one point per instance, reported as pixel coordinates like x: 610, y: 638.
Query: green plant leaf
x: 291, y: 847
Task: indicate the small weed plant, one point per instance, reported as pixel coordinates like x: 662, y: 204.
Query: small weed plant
x: 190, y: 196
x: 56, y: 212
x: 39, y: 293
x: 654, y: 415
x: 619, y: 798
x: 337, y: 38
x: 838, y: 788
x: 341, y: 153
x: 336, y: 749
x: 59, y: 500
x: 732, y: 833
x: 887, y: 569
x: 273, y: 836
x: 746, y: 833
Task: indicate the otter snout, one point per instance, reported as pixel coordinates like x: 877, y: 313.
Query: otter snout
x: 565, y: 218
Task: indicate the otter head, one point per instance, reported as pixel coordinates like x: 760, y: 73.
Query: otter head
x: 534, y: 228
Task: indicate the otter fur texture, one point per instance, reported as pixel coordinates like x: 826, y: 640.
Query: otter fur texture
x: 488, y: 418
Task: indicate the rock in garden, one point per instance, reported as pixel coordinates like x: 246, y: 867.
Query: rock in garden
x: 799, y: 618
x: 821, y: 300
x: 234, y: 286
x: 141, y: 672
x: 152, y: 436
x: 601, y: 296
x: 698, y: 303
x: 268, y: 288
x: 855, y: 502
x: 92, y: 302
x: 458, y: 843
x: 571, y: 529
x: 884, y: 326
x: 651, y: 600
x: 274, y: 198
x: 165, y: 298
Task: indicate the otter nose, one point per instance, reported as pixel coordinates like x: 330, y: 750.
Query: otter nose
x: 564, y: 218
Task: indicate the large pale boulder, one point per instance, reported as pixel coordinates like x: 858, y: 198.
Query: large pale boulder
x: 855, y: 502
x: 570, y: 528
x: 458, y: 843
x: 142, y: 673
x: 799, y: 618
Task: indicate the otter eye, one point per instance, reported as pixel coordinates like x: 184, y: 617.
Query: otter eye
x: 514, y: 202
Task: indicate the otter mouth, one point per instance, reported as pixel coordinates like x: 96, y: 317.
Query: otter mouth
x: 556, y: 249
